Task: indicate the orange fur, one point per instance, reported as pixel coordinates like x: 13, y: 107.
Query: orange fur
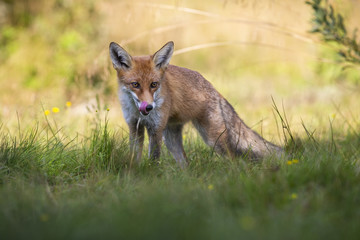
x: 181, y: 95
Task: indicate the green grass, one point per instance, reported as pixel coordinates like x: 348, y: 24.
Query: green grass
x: 56, y: 187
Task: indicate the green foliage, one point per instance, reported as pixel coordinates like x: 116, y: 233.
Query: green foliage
x: 331, y: 26
x: 53, y: 48
x: 21, y: 12
x: 7, y: 37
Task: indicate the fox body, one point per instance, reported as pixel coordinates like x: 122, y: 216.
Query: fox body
x: 162, y: 98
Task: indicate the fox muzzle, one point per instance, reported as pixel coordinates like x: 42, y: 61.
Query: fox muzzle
x: 145, y: 108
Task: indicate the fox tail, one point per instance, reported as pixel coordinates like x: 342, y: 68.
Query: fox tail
x: 242, y: 140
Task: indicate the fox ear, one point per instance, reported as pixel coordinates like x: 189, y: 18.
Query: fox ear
x: 162, y: 57
x: 120, y: 58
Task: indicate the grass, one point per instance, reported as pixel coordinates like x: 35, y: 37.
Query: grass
x: 57, y: 187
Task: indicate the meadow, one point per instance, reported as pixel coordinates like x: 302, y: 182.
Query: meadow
x: 65, y: 169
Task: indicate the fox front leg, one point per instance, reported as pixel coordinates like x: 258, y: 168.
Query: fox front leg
x: 155, y: 139
x: 136, y: 140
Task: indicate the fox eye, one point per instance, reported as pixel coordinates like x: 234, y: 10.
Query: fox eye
x: 135, y: 84
x: 153, y: 84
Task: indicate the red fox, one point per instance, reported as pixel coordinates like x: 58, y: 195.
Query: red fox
x: 162, y: 98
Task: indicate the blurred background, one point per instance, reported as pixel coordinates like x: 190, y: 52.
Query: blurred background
x: 54, y: 53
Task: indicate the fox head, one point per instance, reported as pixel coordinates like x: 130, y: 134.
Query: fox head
x: 141, y: 76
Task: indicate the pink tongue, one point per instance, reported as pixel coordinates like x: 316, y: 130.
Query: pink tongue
x: 143, y: 107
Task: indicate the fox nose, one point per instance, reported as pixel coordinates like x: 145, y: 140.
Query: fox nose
x: 149, y: 107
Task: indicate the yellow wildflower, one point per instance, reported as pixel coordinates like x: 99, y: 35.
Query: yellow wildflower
x: 295, y: 161
x: 108, y: 109
x: 55, y: 110
x: 47, y: 112
x: 68, y: 104
x: 333, y: 115
x: 211, y: 187
x: 293, y: 196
